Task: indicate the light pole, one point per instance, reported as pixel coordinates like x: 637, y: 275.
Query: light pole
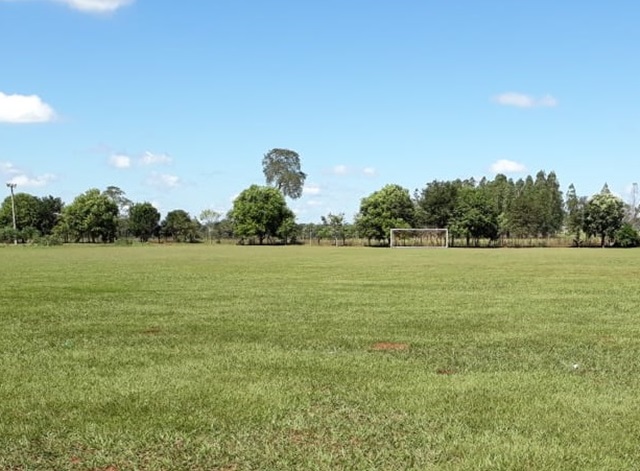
x: 13, y: 212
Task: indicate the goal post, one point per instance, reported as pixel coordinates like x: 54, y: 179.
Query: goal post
x: 419, y: 238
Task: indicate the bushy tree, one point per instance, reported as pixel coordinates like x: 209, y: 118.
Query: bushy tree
x: 49, y: 211
x: 261, y: 212
x: 91, y: 216
x: 179, y: 226
x: 385, y: 209
x: 143, y: 220
x: 603, y: 216
x: 281, y: 169
x: 27, y: 211
x: 627, y: 236
x: 34, y: 216
x: 436, y: 203
x: 475, y: 216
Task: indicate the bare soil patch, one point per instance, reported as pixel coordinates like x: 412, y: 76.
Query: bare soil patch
x: 389, y: 346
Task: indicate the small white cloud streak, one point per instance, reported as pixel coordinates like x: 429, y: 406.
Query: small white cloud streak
x: 163, y: 180
x: 340, y: 170
x: 23, y: 179
x: 520, y: 100
x: 120, y: 161
x: 369, y: 172
x: 7, y: 168
x: 96, y: 6
x: 507, y: 166
x: 311, y: 190
x: 150, y: 158
x: 23, y: 109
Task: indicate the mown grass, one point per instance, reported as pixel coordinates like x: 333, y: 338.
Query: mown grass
x: 260, y: 358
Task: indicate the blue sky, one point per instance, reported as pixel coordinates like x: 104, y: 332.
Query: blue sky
x: 177, y: 102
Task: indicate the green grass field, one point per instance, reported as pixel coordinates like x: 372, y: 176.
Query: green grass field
x: 289, y: 358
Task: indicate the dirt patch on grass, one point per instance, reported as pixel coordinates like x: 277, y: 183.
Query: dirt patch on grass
x: 446, y: 371
x: 389, y: 346
x: 152, y: 331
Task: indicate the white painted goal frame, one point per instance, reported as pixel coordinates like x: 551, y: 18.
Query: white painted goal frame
x: 419, y: 238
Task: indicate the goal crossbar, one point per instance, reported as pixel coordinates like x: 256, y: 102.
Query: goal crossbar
x: 422, y: 238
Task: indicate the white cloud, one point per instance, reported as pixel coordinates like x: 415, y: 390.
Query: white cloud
x: 370, y: 171
x: 25, y: 181
x: 340, y: 170
x: 163, y: 180
x: 90, y: 6
x: 120, y: 161
x: 21, y: 109
x: 311, y: 189
x: 7, y: 168
x: 314, y: 203
x: 96, y: 6
x: 507, y: 166
x: 149, y: 158
x: 520, y: 100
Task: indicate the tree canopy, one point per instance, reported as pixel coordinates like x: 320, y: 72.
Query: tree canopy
x: 261, y: 212
x: 603, y: 216
x: 282, y: 169
x: 93, y: 216
x: 383, y: 210
x: 143, y: 220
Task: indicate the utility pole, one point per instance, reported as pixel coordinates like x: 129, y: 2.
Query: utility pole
x: 13, y: 212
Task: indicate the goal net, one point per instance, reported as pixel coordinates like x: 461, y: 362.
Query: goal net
x: 419, y: 238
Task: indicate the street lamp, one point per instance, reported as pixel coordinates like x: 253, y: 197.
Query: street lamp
x: 13, y: 212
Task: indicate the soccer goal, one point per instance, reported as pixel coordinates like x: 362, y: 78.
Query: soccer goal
x: 419, y: 238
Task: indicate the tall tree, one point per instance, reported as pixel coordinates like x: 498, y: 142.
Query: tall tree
x: 143, y: 220
x: 261, y: 212
x: 209, y: 219
x: 632, y: 209
x: 548, y: 213
x: 117, y: 195
x: 603, y: 215
x: 282, y: 169
x: 522, y: 214
x: 501, y: 193
x: 575, y: 206
x: 385, y: 209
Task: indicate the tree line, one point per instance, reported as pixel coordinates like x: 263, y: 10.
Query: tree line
x: 496, y: 212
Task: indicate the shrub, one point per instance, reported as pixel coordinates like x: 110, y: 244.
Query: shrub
x: 627, y: 236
